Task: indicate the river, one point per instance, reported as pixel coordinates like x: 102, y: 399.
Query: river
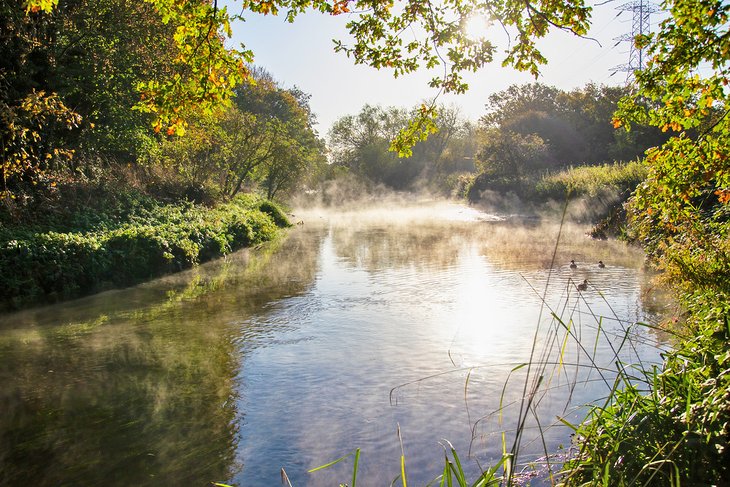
x: 354, y: 327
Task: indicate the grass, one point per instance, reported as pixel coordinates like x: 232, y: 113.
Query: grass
x: 674, y: 430
x: 660, y: 423
x: 619, y: 178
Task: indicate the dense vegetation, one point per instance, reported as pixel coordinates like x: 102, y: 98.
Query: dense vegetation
x: 531, y: 133
x: 132, y: 238
x: 82, y: 83
x: 100, y: 184
x: 676, y: 432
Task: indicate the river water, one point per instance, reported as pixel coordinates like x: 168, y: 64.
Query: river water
x: 392, y: 330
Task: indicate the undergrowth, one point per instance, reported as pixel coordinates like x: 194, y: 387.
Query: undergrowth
x: 123, y: 243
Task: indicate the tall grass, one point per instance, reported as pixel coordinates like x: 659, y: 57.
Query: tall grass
x: 654, y: 425
x: 619, y: 178
x: 670, y: 425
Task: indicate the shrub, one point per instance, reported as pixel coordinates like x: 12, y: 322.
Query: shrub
x: 39, y: 264
x: 277, y: 214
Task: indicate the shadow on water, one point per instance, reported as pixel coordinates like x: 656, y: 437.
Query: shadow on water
x: 137, y: 386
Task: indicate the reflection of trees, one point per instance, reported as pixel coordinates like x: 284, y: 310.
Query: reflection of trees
x: 410, y: 244
x: 514, y: 246
x: 141, y: 392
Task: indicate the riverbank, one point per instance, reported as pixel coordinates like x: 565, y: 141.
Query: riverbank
x: 129, y: 238
x: 664, y: 423
x: 596, y: 194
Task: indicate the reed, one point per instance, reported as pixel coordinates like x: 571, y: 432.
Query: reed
x: 661, y: 422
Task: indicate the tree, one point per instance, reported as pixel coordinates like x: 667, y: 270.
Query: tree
x: 360, y: 142
x: 400, y: 37
x: 300, y: 161
x: 510, y: 157
x: 575, y: 125
x: 265, y: 137
x: 437, y: 151
x: 682, y: 209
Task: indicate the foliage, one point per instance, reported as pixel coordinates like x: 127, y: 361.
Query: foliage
x: 361, y: 143
x: 681, y: 211
x: 153, y: 240
x: 674, y: 433
x: 25, y: 154
x: 296, y: 152
x: 512, y: 156
x: 400, y: 37
x: 68, y: 86
x: 204, y: 73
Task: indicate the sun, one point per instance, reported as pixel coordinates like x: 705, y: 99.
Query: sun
x: 476, y: 27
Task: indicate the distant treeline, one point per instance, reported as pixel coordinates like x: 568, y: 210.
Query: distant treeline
x: 527, y: 133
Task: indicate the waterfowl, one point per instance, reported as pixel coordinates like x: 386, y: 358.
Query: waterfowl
x: 573, y: 265
x: 601, y: 264
x: 583, y: 286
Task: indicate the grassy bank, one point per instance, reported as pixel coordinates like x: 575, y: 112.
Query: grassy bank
x: 620, y: 178
x: 670, y: 425
x: 602, y: 190
x: 130, y: 238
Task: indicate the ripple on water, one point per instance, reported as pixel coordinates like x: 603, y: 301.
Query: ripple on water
x: 353, y: 326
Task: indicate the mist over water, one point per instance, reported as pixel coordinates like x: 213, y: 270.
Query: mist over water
x: 359, y: 321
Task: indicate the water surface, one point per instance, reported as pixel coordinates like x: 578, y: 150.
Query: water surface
x: 296, y: 353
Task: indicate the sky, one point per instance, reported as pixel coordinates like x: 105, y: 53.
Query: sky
x: 302, y: 54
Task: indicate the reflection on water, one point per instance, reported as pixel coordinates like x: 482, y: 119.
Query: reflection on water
x: 299, y: 352
x: 137, y: 387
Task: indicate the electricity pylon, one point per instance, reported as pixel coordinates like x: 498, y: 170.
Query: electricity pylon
x: 640, y: 25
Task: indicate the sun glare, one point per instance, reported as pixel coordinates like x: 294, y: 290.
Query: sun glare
x: 476, y: 27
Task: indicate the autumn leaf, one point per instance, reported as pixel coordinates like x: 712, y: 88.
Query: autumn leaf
x: 723, y: 195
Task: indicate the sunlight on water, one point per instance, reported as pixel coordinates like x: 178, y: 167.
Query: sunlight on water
x: 297, y: 353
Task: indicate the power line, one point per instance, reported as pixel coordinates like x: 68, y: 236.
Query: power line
x: 640, y: 25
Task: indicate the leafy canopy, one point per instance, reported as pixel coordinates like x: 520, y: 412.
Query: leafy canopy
x: 402, y: 36
x: 681, y: 211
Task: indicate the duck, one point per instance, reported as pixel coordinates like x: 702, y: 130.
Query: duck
x: 583, y: 286
x: 573, y: 265
x: 601, y: 265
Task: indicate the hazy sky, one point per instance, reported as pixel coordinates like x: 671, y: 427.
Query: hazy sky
x: 302, y: 54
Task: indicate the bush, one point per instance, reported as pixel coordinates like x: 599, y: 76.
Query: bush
x: 155, y: 239
x: 277, y: 214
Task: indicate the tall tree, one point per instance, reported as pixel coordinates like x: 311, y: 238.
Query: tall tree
x: 683, y: 208
x: 401, y: 37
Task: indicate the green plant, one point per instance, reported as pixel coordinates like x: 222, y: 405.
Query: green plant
x: 123, y: 245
